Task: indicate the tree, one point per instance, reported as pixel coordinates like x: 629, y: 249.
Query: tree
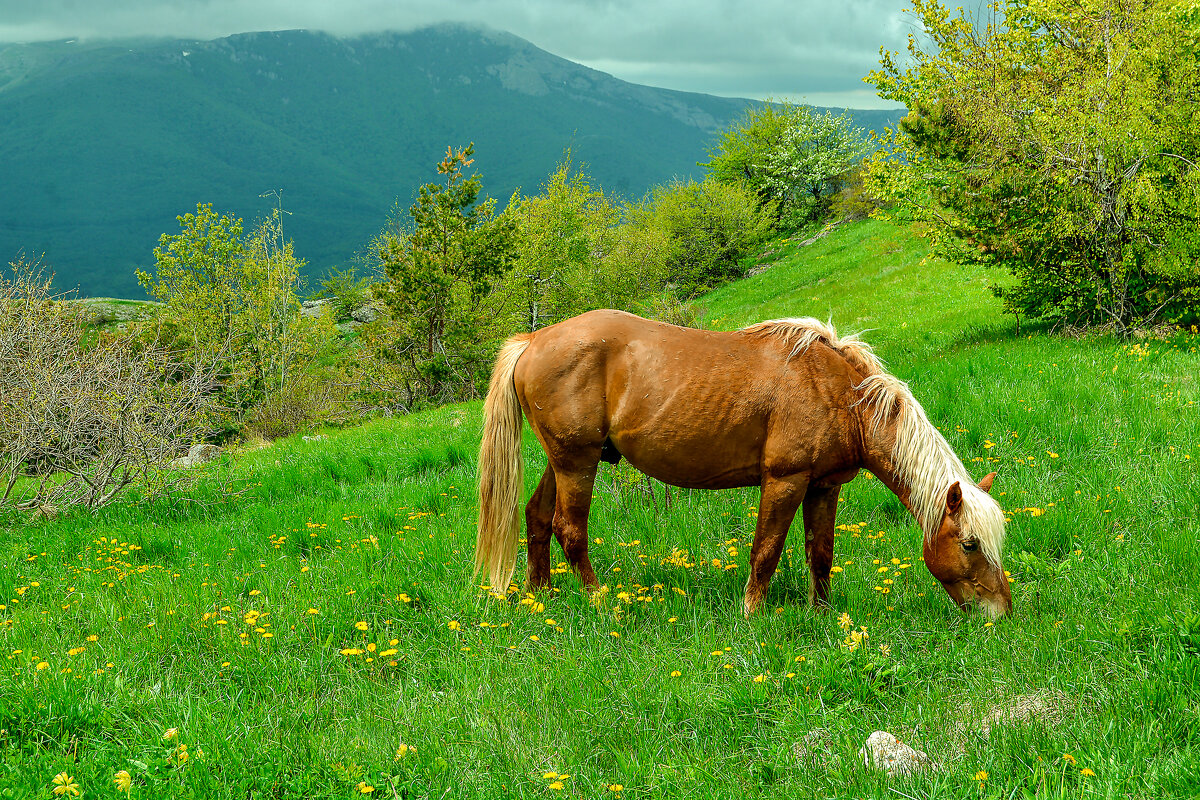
x: 439, y: 272
x: 1056, y: 139
x: 563, y: 237
x: 232, y: 300
x: 791, y: 156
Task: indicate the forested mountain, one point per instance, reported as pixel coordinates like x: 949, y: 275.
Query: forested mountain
x: 102, y: 144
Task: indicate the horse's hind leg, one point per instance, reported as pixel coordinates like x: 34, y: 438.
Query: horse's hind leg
x: 780, y: 499
x: 539, y: 516
x: 572, y: 503
x: 820, y: 509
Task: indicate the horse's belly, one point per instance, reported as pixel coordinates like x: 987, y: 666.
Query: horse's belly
x: 714, y: 462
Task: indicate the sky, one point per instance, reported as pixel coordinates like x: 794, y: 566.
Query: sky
x: 811, y: 51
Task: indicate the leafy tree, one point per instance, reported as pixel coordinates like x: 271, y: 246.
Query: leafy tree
x: 231, y: 299
x: 791, y: 156
x: 563, y: 237
x: 1056, y: 139
x: 704, y: 231
x: 439, y: 273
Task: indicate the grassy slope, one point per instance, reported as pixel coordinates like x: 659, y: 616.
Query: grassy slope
x: 1095, y: 442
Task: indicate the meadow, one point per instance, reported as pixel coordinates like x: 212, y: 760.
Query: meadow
x: 304, y: 622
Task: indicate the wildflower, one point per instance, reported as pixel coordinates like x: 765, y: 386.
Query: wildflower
x: 123, y: 780
x: 557, y: 786
x: 64, y: 785
x: 364, y: 788
x: 404, y: 749
x: 884, y: 650
x: 549, y: 776
x: 1067, y: 757
x: 93, y: 638
x: 675, y: 673
x: 844, y: 622
x: 1087, y: 773
x: 760, y: 678
x: 312, y: 611
x: 42, y: 665
x: 352, y: 651
x: 981, y: 776
x: 616, y: 787
x: 362, y: 626
x: 453, y: 625
x: 170, y: 734
x: 614, y: 634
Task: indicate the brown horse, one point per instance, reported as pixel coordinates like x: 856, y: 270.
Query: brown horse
x: 783, y: 405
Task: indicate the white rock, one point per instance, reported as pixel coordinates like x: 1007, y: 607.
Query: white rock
x: 884, y: 751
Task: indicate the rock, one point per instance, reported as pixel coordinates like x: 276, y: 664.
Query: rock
x: 368, y: 313
x: 320, y: 437
x: 884, y: 751
x: 316, y: 308
x: 198, y: 454
x: 815, y: 748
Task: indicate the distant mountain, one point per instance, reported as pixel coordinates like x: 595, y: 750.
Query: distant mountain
x: 102, y: 144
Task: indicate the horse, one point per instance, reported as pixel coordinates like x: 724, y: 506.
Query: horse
x: 785, y: 405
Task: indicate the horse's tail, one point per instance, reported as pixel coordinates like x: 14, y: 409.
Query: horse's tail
x: 501, y: 471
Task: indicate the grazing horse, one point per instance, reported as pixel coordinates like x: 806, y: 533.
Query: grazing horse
x: 784, y: 405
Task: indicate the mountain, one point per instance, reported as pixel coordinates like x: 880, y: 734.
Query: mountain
x: 102, y: 144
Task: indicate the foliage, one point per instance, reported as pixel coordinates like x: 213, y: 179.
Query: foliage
x: 791, y: 156
x: 704, y: 230
x: 83, y: 416
x: 1057, y: 141
x: 347, y: 290
x: 231, y: 302
x: 564, y: 235
x: 438, y: 273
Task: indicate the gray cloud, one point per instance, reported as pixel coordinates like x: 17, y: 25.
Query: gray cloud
x: 813, y: 50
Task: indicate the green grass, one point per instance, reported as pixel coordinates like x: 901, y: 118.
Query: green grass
x: 1095, y: 442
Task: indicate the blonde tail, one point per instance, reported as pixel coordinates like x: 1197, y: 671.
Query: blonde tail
x: 501, y: 471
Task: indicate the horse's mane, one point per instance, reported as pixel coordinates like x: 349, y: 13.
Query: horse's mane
x: 922, y: 457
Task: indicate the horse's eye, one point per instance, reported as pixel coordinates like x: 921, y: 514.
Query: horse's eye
x: 970, y: 546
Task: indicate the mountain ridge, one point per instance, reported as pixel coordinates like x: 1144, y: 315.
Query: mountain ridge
x: 103, y: 143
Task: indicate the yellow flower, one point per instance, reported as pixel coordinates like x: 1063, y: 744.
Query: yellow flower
x: 675, y: 673
x: 616, y: 787
x: 312, y: 611
x: 362, y: 626
x: 404, y: 749
x: 123, y: 781
x: 364, y: 787
x: 1067, y: 757
x: 981, y: 776
x: 453, y: 625
x: 844, y: 622
x: 170, y: 734
x: 352, y: 651
x: 42, y: 665
x: 64, y: 785
x: 557, y: 786
x: 1087, y: 773
x: 549, y: 776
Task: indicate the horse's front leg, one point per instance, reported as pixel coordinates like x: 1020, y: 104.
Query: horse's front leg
x: 820, y: 510
x: 572, y: 502
x: 776, y: 509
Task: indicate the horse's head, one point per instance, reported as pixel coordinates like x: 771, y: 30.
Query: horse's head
x: 964, y: 553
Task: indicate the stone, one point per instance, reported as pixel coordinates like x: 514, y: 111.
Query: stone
x: 885, y: 752
x: 368, y: 313
x: 198, y: 454
x: 316, y: 308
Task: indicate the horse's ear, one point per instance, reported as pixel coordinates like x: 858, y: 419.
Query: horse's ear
x: 986, y: 483
x: 954, y: 498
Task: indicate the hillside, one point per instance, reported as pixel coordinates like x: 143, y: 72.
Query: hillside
x: 305, y: 622
x: 104, y: 143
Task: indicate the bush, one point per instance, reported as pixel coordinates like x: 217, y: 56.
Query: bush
x: 88, y: 414
x: 308, y: 399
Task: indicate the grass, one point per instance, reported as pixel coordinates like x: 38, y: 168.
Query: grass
x: 255, y: 617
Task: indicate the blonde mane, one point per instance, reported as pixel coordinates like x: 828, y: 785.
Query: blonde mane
x: 921, y: 456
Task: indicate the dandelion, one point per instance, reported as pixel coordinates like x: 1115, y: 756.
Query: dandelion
x: 362, y: 626
x: 312, y: 611
x: 453, y: 625
x: 616, y: 787
x: 981, y: 776
x: 557, y: 786
x: 549, y: 776
x: 1067, y: 757
x: 42, y: 665
x: 65, y: 786
x: 123, y: 780
x: 675, y: 673
x: 364, y: 788
x: 1087, y: 773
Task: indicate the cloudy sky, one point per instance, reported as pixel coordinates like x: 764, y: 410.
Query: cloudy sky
x: 814, y: 51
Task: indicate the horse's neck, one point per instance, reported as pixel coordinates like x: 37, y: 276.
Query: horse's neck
x: 877, y: 458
